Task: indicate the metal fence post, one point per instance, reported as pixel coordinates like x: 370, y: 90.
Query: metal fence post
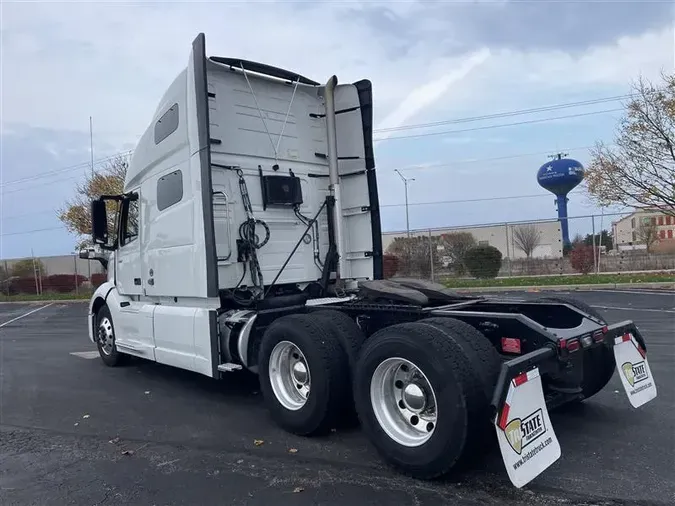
x: 77, y: 288
x: 431, y: 256
x: 595, y: 251
x: 508, y: 251
x: 7, y: 274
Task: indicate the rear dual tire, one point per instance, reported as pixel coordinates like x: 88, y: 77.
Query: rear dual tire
x: 304, y: 365
x: 433, y: 357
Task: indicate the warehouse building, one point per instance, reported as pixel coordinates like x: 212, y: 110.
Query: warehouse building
x: 501, y: 237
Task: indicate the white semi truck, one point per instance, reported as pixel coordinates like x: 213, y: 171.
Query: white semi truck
x: 248, y: 237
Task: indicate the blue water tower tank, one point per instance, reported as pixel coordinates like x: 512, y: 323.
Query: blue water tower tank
x: 560, y: 176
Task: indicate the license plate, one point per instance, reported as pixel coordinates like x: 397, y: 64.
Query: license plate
x: 526, y: 438
x: 636, y: 377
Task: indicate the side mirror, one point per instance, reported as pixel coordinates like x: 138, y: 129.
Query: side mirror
x: 92, y: 254
x: 99, y: 222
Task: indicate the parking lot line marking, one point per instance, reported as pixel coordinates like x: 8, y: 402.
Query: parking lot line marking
x: 647, y: 310
x: 26, y: 314
x: 85, y: 354
x: 634, y: 291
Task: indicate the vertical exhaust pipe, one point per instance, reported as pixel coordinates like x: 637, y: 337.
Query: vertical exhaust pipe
x: 333, y: 174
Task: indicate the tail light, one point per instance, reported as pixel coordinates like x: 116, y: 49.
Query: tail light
x: 571, y: 345
x: 511, y: 345
x: 598, y: 336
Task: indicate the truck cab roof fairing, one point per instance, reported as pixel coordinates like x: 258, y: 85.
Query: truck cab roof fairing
x: 264, y: 69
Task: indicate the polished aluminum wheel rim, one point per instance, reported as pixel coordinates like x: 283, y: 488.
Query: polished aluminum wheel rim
x: 106, y: 336
x: 289, y: 375
x: 403, y: 401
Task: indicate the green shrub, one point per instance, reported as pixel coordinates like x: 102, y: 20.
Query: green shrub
x: 483, y: 262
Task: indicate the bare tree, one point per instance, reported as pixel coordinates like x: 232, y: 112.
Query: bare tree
x: 526, y: 238
x: 415, y: 257
x: 640, y: 170
x: 455, y: 245
x: 647, y: 234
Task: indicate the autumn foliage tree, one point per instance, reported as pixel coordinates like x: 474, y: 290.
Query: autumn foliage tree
x: 76, y: 213
x: 639, y: 170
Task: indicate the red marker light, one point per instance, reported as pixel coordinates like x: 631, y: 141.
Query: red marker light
x: 510, y: 345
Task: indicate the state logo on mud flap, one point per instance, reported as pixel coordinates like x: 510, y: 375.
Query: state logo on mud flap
x: 520, y: 433
x: 634, y: 373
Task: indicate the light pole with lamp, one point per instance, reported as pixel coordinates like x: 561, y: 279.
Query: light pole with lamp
x: 407, y: 216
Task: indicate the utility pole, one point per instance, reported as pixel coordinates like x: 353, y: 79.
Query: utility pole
x: 407, y: 216
x: 91, y: 144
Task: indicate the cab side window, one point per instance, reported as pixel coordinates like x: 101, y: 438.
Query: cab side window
x: 130, y: 222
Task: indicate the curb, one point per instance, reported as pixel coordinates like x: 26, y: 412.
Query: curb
x: 667, y: 285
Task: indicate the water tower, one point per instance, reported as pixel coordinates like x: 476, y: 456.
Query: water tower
x: 560, y: 176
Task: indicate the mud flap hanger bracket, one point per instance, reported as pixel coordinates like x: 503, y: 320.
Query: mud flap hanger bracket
x: 544, y: 358
x: 622, y: 328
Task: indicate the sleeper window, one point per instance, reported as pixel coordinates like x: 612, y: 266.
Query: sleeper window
x: 169, y: 189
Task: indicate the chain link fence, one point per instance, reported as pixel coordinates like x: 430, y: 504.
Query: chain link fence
x: 64, y: 274
x: 638, y: 242
x: 622, y: 243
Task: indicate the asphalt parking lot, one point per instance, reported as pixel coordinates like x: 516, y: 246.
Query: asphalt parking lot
x: 73, y: 431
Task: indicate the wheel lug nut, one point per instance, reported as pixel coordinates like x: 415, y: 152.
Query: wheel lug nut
x: 401, y: 405
x: 398, y: 384
x: 430, y: 427
x: 414, y: 420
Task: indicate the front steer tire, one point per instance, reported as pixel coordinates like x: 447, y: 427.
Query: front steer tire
x: 108, y: 352
x: 456, y: 388
x: 328, y: 368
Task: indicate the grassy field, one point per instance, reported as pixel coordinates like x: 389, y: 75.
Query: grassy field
x: 589, y: 279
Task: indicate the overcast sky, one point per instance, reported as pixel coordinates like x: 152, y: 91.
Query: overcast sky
x: 429, y: 61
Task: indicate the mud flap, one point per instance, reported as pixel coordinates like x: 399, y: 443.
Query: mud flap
x: 524, y: 431
x: 636, y: 377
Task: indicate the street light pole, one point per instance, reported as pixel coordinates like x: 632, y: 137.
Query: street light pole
x: 407, y: 215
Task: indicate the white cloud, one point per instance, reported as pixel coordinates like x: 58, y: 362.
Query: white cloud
x: 63, y: 62
x: 426, y: 94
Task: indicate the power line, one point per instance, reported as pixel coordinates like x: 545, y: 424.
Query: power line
x: 506, y: 114
x: 33, y: 231
x: 393, y: 129
x: 484, y: 199
x: 480, y: 160
x: 489, y: 127
x: 462, y: 201
x: 68, y: 168
x: 44, y: 183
